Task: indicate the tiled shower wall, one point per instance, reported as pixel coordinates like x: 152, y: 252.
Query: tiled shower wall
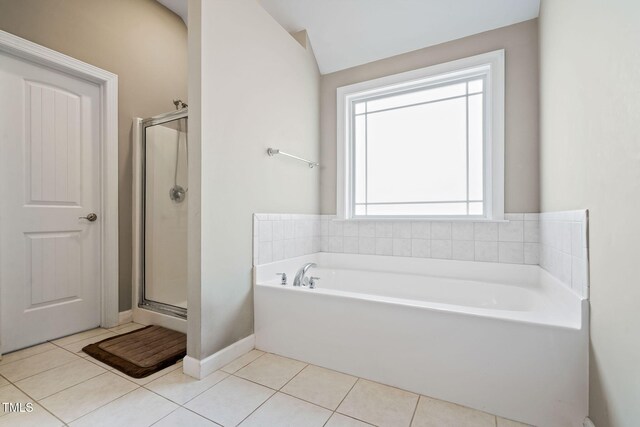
x: 279, y: 236
x: 564, y: 248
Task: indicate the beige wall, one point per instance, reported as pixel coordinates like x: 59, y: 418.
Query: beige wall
x: 259, y: 88
x: 590, y: 158
x: 139, y: 40
x: 520, y: 42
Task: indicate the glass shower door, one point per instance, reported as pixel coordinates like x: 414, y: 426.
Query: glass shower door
x: 165, y: 195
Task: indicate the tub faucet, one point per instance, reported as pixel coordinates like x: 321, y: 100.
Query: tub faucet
x: 300, y: 280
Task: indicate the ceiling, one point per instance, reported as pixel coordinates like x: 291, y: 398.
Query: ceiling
x: 346, y: 33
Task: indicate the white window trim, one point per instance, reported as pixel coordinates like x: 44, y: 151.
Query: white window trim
x: 494, y: 128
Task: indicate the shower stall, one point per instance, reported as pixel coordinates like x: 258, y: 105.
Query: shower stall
x: 160, y: 195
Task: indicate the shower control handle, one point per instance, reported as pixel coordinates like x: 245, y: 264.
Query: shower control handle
x: 90, y: 217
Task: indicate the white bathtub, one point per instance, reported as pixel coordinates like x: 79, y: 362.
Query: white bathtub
x: 506, y: 339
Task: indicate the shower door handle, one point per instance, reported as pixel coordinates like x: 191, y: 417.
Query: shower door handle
x: 90, y: 217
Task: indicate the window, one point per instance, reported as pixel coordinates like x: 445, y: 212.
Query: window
x: 428, y: 143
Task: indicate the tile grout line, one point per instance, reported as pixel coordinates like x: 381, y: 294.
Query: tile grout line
x: 243, y: 366
x: 102, y: 406
x: 77, y: 353
x: 308, y: 401
x: 131, y: 379
x: 385, y: 385
x: 89, y: 359
x: 345, y: 396
x: 33, y: 355
x: 115, y: 329
x: 343, y: 399
x: 46, y: 370
x: 26, y: 357
x: 106, y: 331
x: 34, y: 400
x: 296, y: 397
x: 330, y: 416
x: 182, y: 404
x: 157, y: 421
x: 353, y: 418
x: 415, y: 410
x: 296, y: 374
x: 305, y: 400
x: 200, y: 415
x: 275, y: 390
x: 259, y: 406
x: 257, y: 383
x: 67, y: 388
x: 138, y: 386
x: 63, y: 389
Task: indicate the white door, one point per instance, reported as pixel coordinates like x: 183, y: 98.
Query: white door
x: 49, y: 178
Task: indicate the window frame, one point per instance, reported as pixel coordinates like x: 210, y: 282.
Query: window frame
x: 488, y: 65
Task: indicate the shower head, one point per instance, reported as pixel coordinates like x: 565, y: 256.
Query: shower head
x: 179, y: 104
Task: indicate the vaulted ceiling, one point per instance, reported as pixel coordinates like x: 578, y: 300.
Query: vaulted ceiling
x: 346, y: 33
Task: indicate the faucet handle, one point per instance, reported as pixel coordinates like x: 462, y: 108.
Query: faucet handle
x: 312, y: 282
x: 284, y: 278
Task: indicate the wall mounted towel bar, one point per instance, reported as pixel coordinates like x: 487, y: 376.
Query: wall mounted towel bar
x: 274, y: 151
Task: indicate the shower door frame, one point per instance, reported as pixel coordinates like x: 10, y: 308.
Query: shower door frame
x: 139, y: 203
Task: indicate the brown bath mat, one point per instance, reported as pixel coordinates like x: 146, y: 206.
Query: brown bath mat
x: 142, y: 352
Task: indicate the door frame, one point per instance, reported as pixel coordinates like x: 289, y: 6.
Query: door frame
x: 108, y: 83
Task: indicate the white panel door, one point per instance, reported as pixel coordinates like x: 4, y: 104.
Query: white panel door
x: 49, y: 178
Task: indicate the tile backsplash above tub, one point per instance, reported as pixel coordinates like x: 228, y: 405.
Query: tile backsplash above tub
x: 564, y: 248
x: 557, y: 241
x: 280, y: 236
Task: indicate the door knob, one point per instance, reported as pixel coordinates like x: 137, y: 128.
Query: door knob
x: 90, y: 217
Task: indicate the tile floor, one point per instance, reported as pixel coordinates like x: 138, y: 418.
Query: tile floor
x: 66, y: 387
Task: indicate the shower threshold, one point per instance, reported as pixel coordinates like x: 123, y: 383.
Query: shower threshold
x: 167, y: 309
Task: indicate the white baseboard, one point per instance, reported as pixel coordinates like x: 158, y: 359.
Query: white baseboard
x: 201, y: 368
x: 125, y: 317
x: 588, y: 423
